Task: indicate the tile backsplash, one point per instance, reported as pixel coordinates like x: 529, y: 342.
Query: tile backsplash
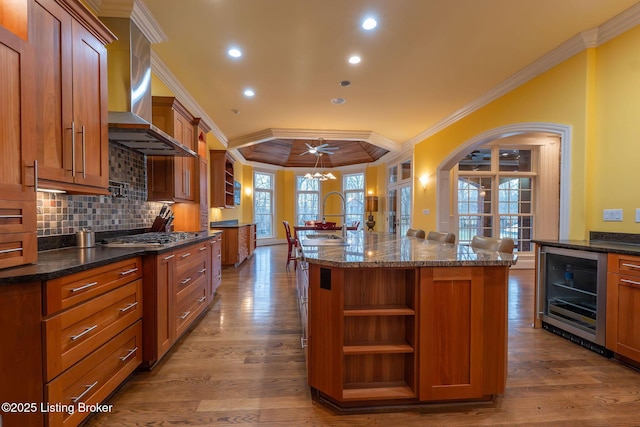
x: 127, y: 208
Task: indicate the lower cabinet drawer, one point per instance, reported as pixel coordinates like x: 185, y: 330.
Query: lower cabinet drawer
x: 72, y: 396
x: 191, y: 306
x: 74, y: 333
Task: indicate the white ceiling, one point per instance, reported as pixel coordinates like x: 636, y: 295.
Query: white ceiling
x: 426, y: 59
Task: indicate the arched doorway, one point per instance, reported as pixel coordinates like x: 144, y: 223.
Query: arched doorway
x: 448, y: 220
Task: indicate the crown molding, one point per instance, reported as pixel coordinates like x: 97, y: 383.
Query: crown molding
x: 180, y: 92
x: 134, y: 9
x: 327, y: 135
x: 576, y: 44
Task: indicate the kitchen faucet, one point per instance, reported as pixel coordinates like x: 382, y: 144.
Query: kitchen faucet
x: 343, y: 214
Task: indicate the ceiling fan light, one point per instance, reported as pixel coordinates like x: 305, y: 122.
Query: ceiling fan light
x: 330, y: 176
x: 317, y: 175
x: 308, y: 176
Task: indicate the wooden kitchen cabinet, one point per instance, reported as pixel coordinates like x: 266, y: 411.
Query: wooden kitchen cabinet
x: 623, y: 306
x: 70, y: 123
x: 69, y: 340
x: 173, y: 178
x: 175, y: 288
x: 215, y: 266
x: 18, y: 241
x: 302, y: 286
x: 238, y: 243
x: 405, y: 335
x: 222, y: 179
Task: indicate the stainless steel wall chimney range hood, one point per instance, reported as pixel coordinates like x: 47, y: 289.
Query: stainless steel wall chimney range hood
x: 129, y: 62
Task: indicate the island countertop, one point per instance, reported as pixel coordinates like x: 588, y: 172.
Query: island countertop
x: 376, y: 249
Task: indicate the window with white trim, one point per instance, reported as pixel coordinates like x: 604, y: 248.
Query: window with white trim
x: 263, y: 188
x: 307, y: 200
x: 353, y: 190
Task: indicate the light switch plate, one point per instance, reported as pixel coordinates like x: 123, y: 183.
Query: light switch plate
x: 427, y: 211
x: 612, y: 215
x: 637, y: 214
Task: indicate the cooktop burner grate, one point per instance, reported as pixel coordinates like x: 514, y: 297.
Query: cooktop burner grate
x: 149, y: 239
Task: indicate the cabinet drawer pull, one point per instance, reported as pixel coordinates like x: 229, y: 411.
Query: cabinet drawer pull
x: 185, y: 281
x: 303, y: 300
x: 303, y: 342
x: 35, y: 175
x: 219, y: 276
x: 168, y: 257
x: 124, y: 273
x: 186, y: 255
x: 83, y: 287
x: 129, y: 354
x: 202, y: 299
x: 6, y: 251
x: 87, y: 390
x: 129, y: 307
x: 219, y: 255
x: 10, y: 216
x: 204, y: 248
x: 630, y: 265
x: 83, y: 333
x: 631, y: 282
x: 202, y: 271
x: 184, y: 316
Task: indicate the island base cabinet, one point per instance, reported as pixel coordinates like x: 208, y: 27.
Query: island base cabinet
x: 362, y: 329
x: 407, y: 336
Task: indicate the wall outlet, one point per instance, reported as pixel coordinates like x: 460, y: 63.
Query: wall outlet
x: 637, y: 214
x: 427, y: 211
x: 612, y: 215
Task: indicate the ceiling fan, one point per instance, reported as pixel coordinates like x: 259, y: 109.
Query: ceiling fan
x: 319, y: 150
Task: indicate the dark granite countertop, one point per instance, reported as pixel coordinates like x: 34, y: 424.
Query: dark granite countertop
x: 230, y: 224
x: 61, y: 262
x: 373, y: 250
x: 593, y: 246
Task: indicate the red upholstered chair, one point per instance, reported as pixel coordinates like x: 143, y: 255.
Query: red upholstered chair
x: 292, y: 242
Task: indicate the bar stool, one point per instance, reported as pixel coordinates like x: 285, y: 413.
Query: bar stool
x: 293, y: 243
x: 417, y: 233
x: 504, y: 245
x: 440, y: 236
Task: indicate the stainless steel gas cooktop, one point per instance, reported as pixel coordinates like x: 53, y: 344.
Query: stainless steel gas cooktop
x: 148, y: 240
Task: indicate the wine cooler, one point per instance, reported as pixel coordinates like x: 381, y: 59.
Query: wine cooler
x: 572, y: 294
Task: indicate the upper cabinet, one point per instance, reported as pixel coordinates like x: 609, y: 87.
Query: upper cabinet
x: 222, y: 181
x: 72, y: 146
x: 18, y: 241
x: 173, y: 178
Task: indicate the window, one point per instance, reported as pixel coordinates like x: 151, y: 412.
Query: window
x: 307, y: 200
x: 495, y: 194
x: 263, y: 184
x: 353, y: 190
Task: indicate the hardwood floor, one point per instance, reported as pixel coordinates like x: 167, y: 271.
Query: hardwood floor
x: 242, y: 365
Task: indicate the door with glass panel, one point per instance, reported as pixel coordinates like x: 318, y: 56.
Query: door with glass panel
x: 399, y: 198
x: 495, y: 196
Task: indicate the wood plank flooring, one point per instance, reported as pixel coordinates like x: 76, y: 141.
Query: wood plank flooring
x: 243, y: 365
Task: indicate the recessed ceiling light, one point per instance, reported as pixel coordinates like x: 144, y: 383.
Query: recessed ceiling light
x: 345, y: 83
x: 355, y: 59
x: 234, y: 52
x: 338, y: 101
x: 369, y: 24
x: 249, y: 93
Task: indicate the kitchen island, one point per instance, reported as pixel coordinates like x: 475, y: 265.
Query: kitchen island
x: 402, y: 321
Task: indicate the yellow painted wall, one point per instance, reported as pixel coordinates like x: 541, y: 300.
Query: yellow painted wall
x: 557, y: 96
x: 612, y: 179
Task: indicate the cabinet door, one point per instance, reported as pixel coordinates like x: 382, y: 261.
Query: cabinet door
x: 71, y: 112
x: 623, y: 306
x: 18, y: 244
x: 51, y: 38
x: 451, y: 333
x: 90, y: 142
